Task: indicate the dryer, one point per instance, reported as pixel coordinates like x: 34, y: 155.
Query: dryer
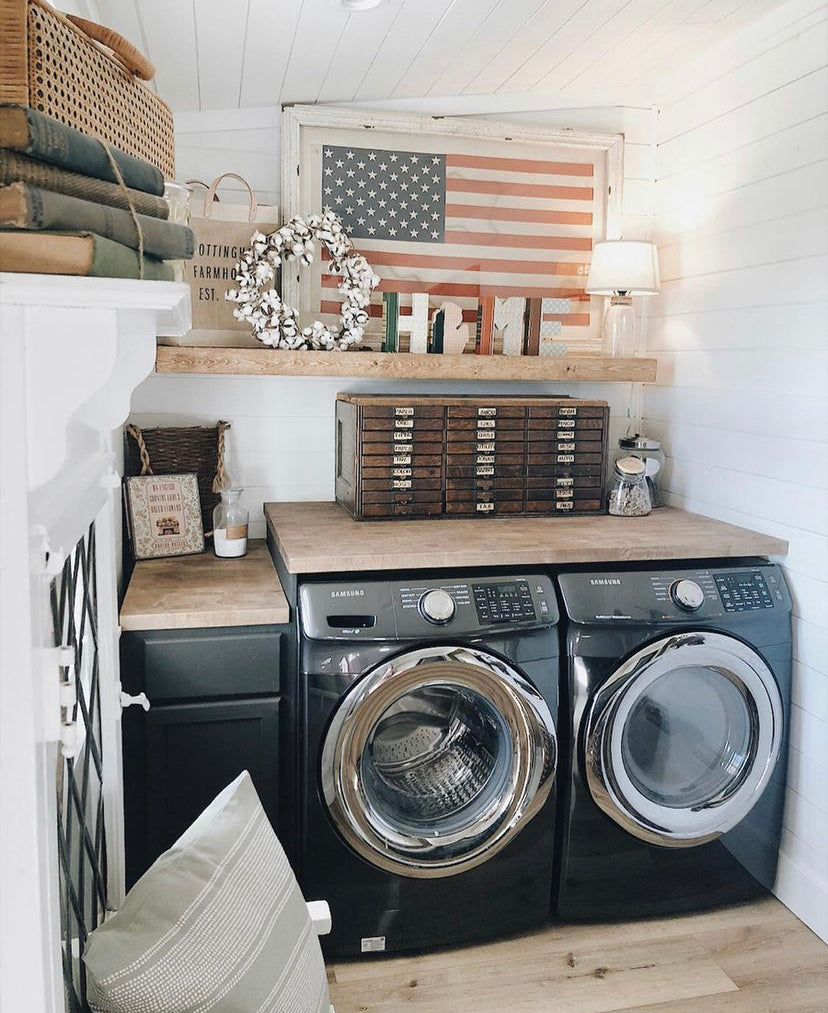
x: 677, y: 687
x: 429, y: 749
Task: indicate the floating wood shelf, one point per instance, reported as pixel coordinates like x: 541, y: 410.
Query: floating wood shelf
x: 383, y: 365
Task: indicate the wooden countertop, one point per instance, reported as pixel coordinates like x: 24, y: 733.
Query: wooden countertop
x: 187, y: 592
x: 323, y: 538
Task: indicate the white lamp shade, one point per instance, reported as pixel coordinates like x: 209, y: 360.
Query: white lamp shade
x: 621, y: 265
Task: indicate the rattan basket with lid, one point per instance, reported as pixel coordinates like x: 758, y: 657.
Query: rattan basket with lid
x: 86, y: 76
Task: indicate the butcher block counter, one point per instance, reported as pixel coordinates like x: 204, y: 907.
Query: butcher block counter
x: 323, y: 538
x: 189, y: 592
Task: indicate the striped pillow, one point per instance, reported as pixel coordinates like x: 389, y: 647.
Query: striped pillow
x: 217, y: 924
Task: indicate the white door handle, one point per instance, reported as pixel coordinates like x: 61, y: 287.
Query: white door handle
x: 127, y: 700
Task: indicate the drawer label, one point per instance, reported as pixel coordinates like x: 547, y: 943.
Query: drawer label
x: 566, y: 458
x: 402, y: 436
x: 565, y: 481
x: 486, y: 423
x: 404, y: 423
x: 487, y: 411
x: 403, y: 411
x: 485, y: 471
x: 567, y: 411
x: 402, y: 483
x: 484, y: 508
x: 485, y: 458
x: 566, y: 446
x: 565, y: 505
x: 565, y: 436
x: 485, y: 448
x: 566, y: 423
x: 402, y: 458
x: 401, y: 472
x: 565, y: 493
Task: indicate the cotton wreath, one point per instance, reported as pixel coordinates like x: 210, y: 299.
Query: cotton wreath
x: 277, y: 324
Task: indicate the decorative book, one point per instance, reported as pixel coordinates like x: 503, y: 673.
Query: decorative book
x: 164, y: 515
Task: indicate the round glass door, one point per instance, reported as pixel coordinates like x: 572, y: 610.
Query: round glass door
x: 683, y: 738
x: 435, y: 760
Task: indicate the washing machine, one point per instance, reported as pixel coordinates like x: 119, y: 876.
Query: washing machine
x: 677, y: 686
x: 428, y: 756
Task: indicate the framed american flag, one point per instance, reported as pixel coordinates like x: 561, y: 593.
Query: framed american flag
x: 478, y: 230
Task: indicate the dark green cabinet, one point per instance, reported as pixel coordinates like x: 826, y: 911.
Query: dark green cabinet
x: 214, y: 712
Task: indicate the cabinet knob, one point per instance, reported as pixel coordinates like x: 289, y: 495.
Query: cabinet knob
x: 127, y: 700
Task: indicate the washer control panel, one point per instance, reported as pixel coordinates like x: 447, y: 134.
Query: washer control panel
x: 510, y: 601
x: 744, y: 591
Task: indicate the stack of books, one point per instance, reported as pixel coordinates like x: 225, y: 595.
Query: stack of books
x: 63, y: 209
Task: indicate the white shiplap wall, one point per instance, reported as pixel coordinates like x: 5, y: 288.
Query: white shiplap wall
x: 740, y: 331
x: 282, y: 442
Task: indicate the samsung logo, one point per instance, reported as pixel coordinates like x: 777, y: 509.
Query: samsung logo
x: 602, y: 581
x: 350, y: 593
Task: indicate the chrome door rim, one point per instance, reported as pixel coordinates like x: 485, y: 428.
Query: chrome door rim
x: 534, y: 758
x: 611, y: 786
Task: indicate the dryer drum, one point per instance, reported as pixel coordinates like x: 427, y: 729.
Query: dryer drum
x: 436, y: 759
x: 682, y: 739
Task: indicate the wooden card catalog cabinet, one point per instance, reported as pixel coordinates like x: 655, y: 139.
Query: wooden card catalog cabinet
x: 468, y: 456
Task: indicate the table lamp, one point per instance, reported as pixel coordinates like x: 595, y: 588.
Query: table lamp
x: 622, y: 268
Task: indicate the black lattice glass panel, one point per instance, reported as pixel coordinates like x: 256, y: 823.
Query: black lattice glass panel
x: 80, y: 807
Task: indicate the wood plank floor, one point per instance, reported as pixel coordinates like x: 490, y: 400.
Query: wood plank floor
x: 754, y: 958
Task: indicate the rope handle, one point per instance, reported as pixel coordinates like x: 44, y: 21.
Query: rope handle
x: 125, y: 53
x: 221, y: 480
x: 211, y: 193
x: 200, y: 182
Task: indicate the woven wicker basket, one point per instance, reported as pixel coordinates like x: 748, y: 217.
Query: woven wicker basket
x: 193, y: 449
x: 84, y: 75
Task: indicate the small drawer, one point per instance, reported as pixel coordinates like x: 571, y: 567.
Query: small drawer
x: 204, y: 663
x: 486, y: 411
x: 500, y: 473
x: 387, y: 438
x: 410, y: 424
x: 395, y: 484
x: 403, y: 411
x: 403, y: 496
x: 564, y: 506
x: 564, y: 411
x: 402, y: 509
x: 410, y: 458
x: 481, y: 507
x: 401, y: 471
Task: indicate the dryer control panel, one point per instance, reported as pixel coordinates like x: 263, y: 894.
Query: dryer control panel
x: 689, y: 594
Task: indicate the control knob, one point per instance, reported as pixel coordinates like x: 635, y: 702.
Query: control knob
x: 688, y: 595
x: 437, y: 607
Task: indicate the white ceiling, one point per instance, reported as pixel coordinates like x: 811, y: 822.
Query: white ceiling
x: 226, y: 54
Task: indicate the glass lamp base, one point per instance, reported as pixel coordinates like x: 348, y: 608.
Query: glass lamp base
x: 618, y: 335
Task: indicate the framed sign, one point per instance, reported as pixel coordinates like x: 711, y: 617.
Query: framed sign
x: 164, y: 513
x: 486, y: 222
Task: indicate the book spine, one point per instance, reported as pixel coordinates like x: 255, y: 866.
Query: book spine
x: 48, y: 210
x: 391, y: 302
x: 438, y: 332
x: 19, y: 168
x: 485, y: 342
x: 61, y: 145
x: 533, y: 326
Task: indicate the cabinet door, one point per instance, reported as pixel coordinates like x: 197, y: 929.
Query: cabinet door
x: 192, y: 751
